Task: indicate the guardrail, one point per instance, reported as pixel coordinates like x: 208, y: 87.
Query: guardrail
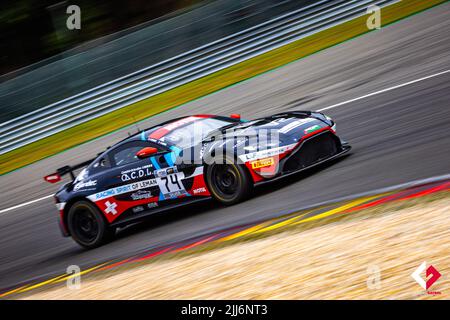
x: 179, y: 70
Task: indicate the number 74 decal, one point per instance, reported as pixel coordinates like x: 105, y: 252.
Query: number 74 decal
x: 171, y: 186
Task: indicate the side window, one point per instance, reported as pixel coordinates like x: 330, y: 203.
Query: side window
x: 126, y: 153
x: 99, y: 164
x: 102, y: 162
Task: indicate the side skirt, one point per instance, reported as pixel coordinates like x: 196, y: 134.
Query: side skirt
x: 147, y: 213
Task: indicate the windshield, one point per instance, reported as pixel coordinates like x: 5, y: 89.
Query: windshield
x: 193, y: 133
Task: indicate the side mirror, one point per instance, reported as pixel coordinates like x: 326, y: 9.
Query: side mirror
x: 235, y: 116
x: 146, y: 152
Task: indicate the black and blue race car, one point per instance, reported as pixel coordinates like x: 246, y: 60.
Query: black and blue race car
x: 186, y: 160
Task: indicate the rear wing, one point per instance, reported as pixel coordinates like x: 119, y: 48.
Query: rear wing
x: 56, y: 177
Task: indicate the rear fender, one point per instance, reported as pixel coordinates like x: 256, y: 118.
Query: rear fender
x: 64, y: 212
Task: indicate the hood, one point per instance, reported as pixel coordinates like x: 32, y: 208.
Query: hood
x: 281, y: 129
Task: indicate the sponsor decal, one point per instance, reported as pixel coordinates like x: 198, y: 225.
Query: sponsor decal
x: 157, y: 141
x: 199, y: 190
x: 165, y: 172
x: 82, y: 175
x: 312, y: 129
x: 123, y: 189
x: 141, y: 195
x: 81, y: 185
x: 138, y: 209
x: 262, y: 163
x: 136, y: 173
x: 430, y: 271
x: 171, y: 186
x: 111, y: 208
x: 173, y: 194
x: 266, y: 153
x: 152, y: 205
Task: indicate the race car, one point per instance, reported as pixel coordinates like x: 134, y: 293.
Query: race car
x: 185, y: 160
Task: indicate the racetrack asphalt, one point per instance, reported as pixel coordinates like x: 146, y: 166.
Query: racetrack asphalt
x: 397, y: 136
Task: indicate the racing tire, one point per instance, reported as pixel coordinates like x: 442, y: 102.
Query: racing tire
x: 229, y: 183
x: 87, y: 225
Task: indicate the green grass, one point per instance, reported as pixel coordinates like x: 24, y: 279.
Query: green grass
x: 194, y: 90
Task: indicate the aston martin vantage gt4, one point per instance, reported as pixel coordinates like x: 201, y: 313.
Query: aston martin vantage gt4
x: 186, y: 160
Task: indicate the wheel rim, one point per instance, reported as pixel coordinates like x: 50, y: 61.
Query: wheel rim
x: 85, y: 225
x: 225, y: 179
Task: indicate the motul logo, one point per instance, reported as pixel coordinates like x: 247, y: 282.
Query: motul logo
x: 430, y: 271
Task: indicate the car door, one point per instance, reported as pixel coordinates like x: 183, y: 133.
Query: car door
x: 127, y: 182
x: 170, y: 175
x: 158, y: 173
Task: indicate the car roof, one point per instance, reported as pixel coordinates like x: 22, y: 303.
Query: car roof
x: 158, y: 131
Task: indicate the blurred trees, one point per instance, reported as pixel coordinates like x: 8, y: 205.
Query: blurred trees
x: 32, y: 30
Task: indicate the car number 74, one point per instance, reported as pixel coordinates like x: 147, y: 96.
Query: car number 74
x: 171, y: 183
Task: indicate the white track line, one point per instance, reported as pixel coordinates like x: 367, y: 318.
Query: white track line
x: 25, y: 204
x: 323, y: 109
x: 384, y: 90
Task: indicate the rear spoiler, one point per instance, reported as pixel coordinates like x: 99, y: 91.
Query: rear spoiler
x: 56, y: 177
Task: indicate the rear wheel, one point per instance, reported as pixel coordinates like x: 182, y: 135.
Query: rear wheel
x: 87, y: 225
x: 229, y: 183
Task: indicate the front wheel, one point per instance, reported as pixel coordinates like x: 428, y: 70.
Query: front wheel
x: 87, y: 225
x: 229, y: 183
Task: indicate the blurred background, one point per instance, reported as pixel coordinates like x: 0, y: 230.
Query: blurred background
x: 33, y: 30
x: 40, y: 54
x: 399, y: 135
